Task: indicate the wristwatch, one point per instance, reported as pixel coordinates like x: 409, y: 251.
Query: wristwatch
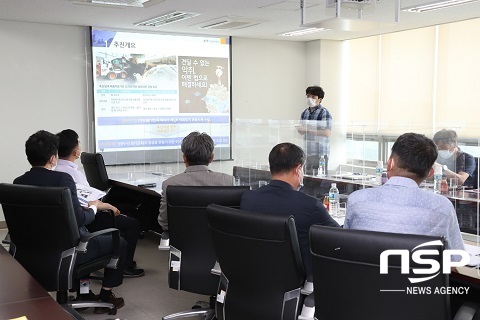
x: 445, y: 168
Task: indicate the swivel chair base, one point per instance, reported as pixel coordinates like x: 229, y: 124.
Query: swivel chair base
x: 72, y: 306
x: 201, y: 309
x: 209, y: 314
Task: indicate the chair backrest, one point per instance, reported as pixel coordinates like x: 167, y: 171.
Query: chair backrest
x: 95, y: 171
x: 348, y: 283
x: 261, y: 263
x: 42, y: 226
x: 190, y: 241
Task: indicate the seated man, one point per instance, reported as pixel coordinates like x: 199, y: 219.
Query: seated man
x: 41, y: 149
x: 197, y: 149
x: 455, y: 163
x: 69, y: 151
x: 281, y: 196
x: 399, y: 205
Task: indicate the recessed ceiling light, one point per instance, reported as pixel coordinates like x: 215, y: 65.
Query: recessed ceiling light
x: 436, y: 5
x: 301, y: 32
x: 118, y: 4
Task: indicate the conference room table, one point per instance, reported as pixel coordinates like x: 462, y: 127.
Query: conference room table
x: 349, y: 182
x: 145, y: 181
x: 143, y: 190
x: 252, y: 177
x: 22, y: 296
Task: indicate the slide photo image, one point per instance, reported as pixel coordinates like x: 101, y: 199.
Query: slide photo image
x: 203, y: 85
x: 136, y: 68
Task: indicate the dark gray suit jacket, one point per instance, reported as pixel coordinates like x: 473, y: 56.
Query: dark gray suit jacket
x: 192, y: 176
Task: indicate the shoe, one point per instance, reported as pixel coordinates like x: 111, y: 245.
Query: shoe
x: 117, y: 303
x: 133, y: 273
x: 90, y: 296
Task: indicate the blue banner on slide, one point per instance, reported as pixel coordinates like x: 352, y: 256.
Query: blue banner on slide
x: 116, y: 121
x: 151, y: 143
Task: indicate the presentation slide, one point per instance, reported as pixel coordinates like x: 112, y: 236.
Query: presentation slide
x: 151, y: 90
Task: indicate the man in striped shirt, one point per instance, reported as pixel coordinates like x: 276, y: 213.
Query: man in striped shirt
x: 316, y: 126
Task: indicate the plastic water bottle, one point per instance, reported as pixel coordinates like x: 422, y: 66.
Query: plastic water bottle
x: 334, y: 196
x: 437, y: 179
x: 378, y: 172
x: 322, y: 172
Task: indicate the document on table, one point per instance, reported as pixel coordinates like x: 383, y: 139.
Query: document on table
x: 353, y: 176
x: 474, y: 251
x: 86, y: 194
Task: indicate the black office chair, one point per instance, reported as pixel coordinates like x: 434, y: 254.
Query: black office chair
x: 348, y: 283
x: 262, y: 267
x: 95, y: 171
x: 127, y: 201
x: 42, y: 226
x: 192, y: 255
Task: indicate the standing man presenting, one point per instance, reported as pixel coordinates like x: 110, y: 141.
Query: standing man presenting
x: 316, y: 125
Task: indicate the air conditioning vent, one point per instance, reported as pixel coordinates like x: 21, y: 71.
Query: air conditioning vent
x: 228, y: 23
x: 167, y: 18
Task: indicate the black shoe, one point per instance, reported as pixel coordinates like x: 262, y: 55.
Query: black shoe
x: 117, y: 303
x: 90, y: 296
x: 133, y: 273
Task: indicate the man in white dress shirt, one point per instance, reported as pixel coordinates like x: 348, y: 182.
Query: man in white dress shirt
x: 68, y: 152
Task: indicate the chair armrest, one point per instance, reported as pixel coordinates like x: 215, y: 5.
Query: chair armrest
x: 308, y: 309
x: 82, y: 246
x: 164, y: 241
x: 467, y: 311
x: 216, y: 270
x: 7, y: 239
x: 307, y: 288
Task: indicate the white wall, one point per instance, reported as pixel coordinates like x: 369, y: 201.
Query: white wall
x: 268, y: 79
x: 268, y: 83
x: 43, y: 87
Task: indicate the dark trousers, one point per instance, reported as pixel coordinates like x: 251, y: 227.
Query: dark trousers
x: 100, y: 246
x: 128, y: 227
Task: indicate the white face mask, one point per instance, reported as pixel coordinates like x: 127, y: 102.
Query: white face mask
x: 445, y: 154
x: 311, y: 102
x: 300, y: 180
